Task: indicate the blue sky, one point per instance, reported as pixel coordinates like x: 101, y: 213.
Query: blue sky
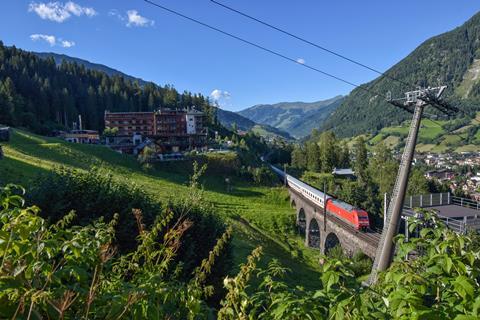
x: 143, y: 41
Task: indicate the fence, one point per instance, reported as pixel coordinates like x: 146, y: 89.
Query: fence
x: 457, y: 224
x: 467, y: 203
x: 428, y: 200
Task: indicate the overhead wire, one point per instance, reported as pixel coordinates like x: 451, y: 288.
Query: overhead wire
x: 263, y: 48
x: 309, y: 42
x: 283, y: 56
x: 316, y: 45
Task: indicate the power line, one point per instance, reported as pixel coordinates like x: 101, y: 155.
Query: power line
x: 316, y: 45
x: 245, y: 41
x: 310, y: 43
x: 264, y: 48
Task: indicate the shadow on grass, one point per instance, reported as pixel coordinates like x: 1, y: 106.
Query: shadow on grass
x: 18, y: 172
x: 247, y: 237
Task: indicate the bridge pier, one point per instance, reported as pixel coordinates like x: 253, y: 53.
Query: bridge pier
x: 310, y: 223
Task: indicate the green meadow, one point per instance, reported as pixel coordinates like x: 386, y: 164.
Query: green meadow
x: 260, y: 215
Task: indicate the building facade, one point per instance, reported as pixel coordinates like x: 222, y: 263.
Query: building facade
x: 129, y: 123
x: 170, y: 130
x: 82, y: 136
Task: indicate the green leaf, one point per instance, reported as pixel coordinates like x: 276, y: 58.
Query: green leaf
x: 463, y: 287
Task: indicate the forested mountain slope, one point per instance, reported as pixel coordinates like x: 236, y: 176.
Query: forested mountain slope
x: 59, y: 58
x: 296, y: 118
x: 41, y: 95
x: 449, y: 59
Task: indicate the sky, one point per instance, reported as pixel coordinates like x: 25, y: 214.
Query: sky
x: 146, y: 42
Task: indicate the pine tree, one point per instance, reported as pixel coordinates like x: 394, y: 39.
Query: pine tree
x: 361, y: 160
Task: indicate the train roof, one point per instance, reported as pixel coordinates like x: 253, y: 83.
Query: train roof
x: 344, y: 205
x: 308, y: 187
x: 317, y: 192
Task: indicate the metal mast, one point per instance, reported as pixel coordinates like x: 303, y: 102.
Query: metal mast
x: 416, y: 100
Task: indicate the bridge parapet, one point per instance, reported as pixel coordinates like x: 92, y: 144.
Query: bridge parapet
x: 323, y: 234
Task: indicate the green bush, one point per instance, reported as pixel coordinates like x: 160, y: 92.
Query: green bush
x: 60, y: 271
x: 96, y: 194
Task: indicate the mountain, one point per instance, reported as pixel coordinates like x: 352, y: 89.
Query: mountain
x: 43, y: 96
x: 87, y: 64
x: 452, y: 58
x: 228, y: 118
x: 296, y: 118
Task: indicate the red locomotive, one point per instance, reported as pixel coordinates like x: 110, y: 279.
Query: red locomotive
x: 356, y: 217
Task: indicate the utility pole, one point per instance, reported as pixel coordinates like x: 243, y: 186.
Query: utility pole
x: 417, y: 100
x: 324, y: 206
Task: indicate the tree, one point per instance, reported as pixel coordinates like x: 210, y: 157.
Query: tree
x: 37, y: 94
x: 417, y: 183
x: 299, y: 159
x: 313, y: 156
x: 343, y: 155
x: 328, y: 151
x: 361, y: 160
x: 383, y: 168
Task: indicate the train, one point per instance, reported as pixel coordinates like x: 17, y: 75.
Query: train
x: 356, y: 217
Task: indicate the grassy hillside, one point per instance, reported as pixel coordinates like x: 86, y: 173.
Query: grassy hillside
x: 228, y: 118
x: 296, y: 118
x: 436, y: 137
x: 257, y: 213
x: 449, y: 59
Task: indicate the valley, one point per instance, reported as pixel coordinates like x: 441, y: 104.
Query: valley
x: 349, y: 189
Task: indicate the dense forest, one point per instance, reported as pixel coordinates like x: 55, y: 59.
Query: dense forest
x: 42, y: 96
x: 441, y: 60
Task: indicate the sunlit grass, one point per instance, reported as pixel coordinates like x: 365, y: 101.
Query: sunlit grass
x: 258, y: 213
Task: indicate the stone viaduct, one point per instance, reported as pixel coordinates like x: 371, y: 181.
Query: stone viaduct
x: 325, y: 234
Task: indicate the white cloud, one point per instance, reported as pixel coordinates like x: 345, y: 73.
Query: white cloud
x: 52, y: 40
x: 44, y: 37
x: 301, y: 60
x: 220, y: 97
x: 219, y: 94
x: 136, y: 20
x: 59, y: 12
x: 67, y: 44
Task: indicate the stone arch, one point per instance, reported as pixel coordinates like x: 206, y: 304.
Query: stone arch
x: 293, y: 204
x: 313, y: 234
x: 331, y: 241
x: 301, y: 221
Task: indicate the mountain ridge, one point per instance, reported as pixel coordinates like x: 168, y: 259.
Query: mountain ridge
x: 445, y: 59
x: 296, y: 118
x: 58, y: 57
x: 228, y: 118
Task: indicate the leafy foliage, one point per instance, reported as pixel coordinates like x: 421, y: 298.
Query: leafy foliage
x: 64, y: 271
x: 97, y: 194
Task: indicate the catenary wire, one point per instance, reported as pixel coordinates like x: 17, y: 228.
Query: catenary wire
x: 245, y: 41
x: 258, y: 46
x: 316, y: 45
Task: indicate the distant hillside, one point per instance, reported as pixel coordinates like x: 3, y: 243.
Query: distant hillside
x: 89, y: 65
x: 228, y: 118
x: 452, y: 58
x: 458, y: 135
x: 296, y: 118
